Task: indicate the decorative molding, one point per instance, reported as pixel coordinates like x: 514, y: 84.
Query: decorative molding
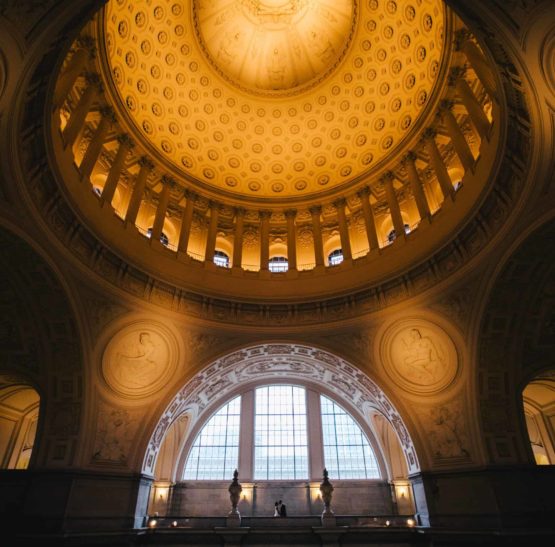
x: 278, y: 362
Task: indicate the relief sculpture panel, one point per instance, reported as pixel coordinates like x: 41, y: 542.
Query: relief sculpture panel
x: 419, y: 356
x: 139, y: 360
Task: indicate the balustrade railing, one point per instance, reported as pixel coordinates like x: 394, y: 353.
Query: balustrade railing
x: 403, y: 193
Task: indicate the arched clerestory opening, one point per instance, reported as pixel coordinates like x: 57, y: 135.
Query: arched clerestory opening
x: 19, y: 414
x: 538, y: 398
x: 280, y: 413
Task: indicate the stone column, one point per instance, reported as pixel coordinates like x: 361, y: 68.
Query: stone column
x: 186, y: 221
x: 316, y: 211
x: 438, y: 165
x: 473, y: 107
x: 477, y: 62
x: 212, y: 232
x: 246, y: 448
x: 158, y: 226
x: 138, y: 190
x: 457, y: 136
x: 86, y: 51
x: 264, y: 239
x: 314, y: 426
x: 111, y: 184
x: 79, y: 113
x: 238, y: 237
x: 343, y: 228
x: 416, y: 186
x: 95, y: 146
x: 369, y: 221
x: 290, y: 215
x: 395, y: 210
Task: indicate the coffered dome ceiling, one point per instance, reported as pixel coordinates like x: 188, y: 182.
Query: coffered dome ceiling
x: 274, y: 98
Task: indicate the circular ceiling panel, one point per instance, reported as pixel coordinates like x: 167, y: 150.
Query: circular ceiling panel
x: 274, y: 45
x: 175, y: 84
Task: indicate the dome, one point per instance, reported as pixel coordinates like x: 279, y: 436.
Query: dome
x: 173, y: 111
x: 274, y: 99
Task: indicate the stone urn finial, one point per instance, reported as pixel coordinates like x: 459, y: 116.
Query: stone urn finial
x: 326, y: 489
x: 235, y: 489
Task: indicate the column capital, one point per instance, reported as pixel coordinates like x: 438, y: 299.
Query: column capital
x: 145, y: 161
x: 190, y: 195
x: 340, y: 203
x: 388, y: 176
x: 290, y: 213
x: 166, y: 180
x: 429, y: 133
x: 107, y: 111
x: 364, y: 191
x: 315, y: 210
x: 93, y: 79
x: 239, y: 211
x: 88, y: 43
x: 409, y: 157
x: 455, y: 74
x: 124, y: 138
x: 461, y: 36
x: 264, y: 214
x: 446, y: 105
x: 213, y: 204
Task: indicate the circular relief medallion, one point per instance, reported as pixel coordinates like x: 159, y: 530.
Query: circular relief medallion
x: 419, y: 356
x: 140, y: 359
x: 274, y: 45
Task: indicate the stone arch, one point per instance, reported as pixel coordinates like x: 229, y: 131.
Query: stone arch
x: 538, y: 399
x: 516, y: 341
x: 40, y: 346
x: 279, y: 361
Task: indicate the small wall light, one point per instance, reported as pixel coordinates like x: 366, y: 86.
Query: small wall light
x: 387, y: 523
x: 411, y: 522
x: 152, y: 523
x: 174, y: 524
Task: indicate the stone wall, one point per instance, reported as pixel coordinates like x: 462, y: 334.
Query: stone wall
x: 211, y: 498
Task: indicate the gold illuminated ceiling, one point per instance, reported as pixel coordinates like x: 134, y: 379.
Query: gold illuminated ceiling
x: 225, y: 128
x: 274, y: 45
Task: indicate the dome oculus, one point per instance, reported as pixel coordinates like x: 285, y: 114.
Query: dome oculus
x: 274, y: 45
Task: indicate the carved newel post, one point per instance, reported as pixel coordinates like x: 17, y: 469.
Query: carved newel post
x: 235, y: 489
x: 326, y: 490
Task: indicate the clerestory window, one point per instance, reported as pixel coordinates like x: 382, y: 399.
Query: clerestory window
x: 221, y: 259
x: 278, y: 264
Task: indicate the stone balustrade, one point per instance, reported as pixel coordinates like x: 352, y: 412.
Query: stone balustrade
x: 376, y: 213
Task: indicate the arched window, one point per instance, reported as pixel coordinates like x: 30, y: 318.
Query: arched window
x: 281, y: 445
x: 19, y: 413
x: 335, y: 257
x: 277, y: 423
x: 278, y: 264
x: 539, y: 408
x: 221, y: 259
x: 215, y: 452
x: 347, y: 452
x: 163, y: 237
